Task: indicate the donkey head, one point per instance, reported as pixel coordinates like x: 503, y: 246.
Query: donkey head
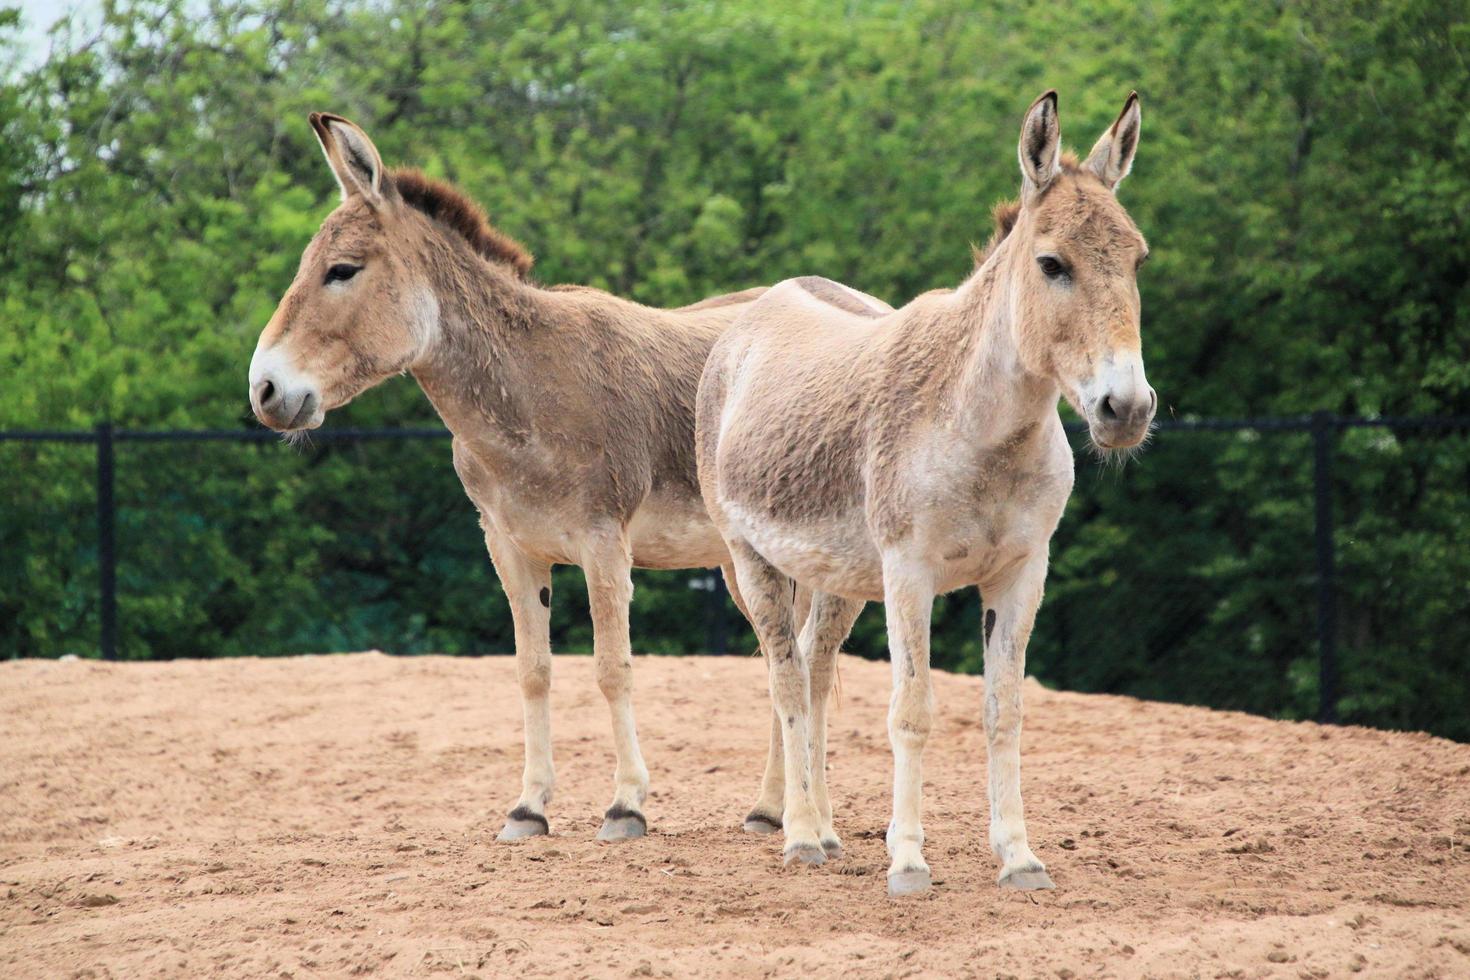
x: 1075, y: 257
x: 360, y: 308
x: 363, y: 306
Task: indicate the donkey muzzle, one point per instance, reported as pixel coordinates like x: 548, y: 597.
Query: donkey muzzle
x: 1122, y: 405
x: 1119, y: 421
x: 280, y: 397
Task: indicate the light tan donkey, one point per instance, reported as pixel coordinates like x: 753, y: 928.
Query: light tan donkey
x: 901, y: 455
x: 572, y: 413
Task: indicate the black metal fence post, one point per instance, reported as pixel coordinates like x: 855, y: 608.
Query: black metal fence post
x: 716, y: 634
x: 1324, y: 426
x: 106, y: 553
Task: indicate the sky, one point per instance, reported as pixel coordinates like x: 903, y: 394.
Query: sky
x: 38, y: 16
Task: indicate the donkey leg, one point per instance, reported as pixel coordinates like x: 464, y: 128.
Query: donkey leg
x: 527, y: 584
x: 1008, y: 622
x: 826, y: 627
x: 908, y: 599
x: 610, y: 589
x: 768, y: 595
x: 765, y: 816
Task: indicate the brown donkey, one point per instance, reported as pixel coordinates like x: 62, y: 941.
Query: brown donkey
x: 572, y: 413
x: 897, y: 456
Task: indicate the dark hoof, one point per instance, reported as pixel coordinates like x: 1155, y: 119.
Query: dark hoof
x: 833, y: 848
x: 909, y: 883
x: 524, y: 822
x: 1027, y: 881
x: 620, y: 823
x: 759, y: 823
x: 805, y: 853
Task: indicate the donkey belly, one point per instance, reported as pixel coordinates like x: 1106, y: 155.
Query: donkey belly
x: 675, y: 532
x: 829, y: 554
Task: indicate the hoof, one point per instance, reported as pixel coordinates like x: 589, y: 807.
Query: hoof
x: 524, y: 822
x: 908, y: 883
x: 759, y: 823
x: 1027, y: 881
x: 620, y: 823
x: 832, y: 847
x: 805, y: 853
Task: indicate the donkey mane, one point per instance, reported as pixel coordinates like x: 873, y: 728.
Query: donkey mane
x: 1005, y: 214
x: 449, y: 205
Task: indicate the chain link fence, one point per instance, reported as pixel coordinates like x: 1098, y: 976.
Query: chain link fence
x: 1295, y: 567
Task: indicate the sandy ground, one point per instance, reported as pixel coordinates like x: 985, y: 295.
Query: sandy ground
x: 331, y: 816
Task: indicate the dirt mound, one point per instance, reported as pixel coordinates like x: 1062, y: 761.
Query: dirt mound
x: 337, y: 815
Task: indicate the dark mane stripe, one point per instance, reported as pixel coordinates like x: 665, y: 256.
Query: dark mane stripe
x: 452, y: 208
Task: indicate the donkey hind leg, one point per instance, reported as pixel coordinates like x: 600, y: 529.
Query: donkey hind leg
x: 765, y: 816
x: 908, y: 599
x: 527, y: 585
x: 768, y: 596
x: 1008, y: 622
x: 608, y: 566
x: 828, y: 624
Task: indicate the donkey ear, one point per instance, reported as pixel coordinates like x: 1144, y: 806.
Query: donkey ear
x: 1112, y: 157
x: 1041, y: 143
x: 351, y: 155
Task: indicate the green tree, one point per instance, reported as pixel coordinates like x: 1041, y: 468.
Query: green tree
x: 1303, y: 180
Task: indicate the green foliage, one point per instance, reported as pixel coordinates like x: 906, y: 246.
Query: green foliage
x: 1304, y: 180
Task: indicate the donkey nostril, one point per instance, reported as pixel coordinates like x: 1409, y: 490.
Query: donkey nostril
x: 266, y: 392
x: 1107, y: 410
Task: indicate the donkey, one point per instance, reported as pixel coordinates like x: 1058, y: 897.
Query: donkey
x: 572, y: 413
x: 899, y: 455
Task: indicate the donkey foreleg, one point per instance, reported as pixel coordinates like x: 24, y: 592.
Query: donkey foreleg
x: 608, y: 567
x: 1008, y: 619
x: 527, y: 585
x: 768, y: 597
x: 908, y: 599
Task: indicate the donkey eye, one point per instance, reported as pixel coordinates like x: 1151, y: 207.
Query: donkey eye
x: 342, y: 272
x: 1052, y: 267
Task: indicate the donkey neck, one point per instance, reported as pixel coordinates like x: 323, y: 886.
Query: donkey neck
x: 474, y: 368
x: 992, y: 394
